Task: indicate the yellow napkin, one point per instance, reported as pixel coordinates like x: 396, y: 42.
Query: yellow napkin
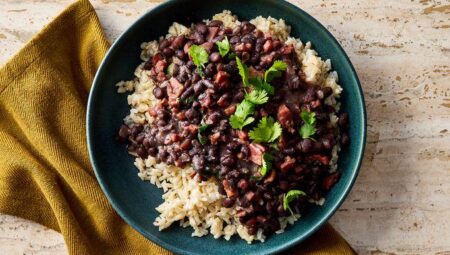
x: 45, y: 174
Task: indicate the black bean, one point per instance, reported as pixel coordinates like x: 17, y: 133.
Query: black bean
x: 274, y: 224
x: 180, y: 54
x: 164, y: 44
x: 213, y: 118
x: 289, y: 151
x: 235, y: 39
x: 228, y: 202
x: 124, y: 132
x: 136, y: 129
x: 201, y: 28
x: 281, y: 210
x: 343, y: 120
x: 159, y: 93
x: 345, y: 139
x: 245, y: 56
x: 326, y: 143
x: 199, y: 38
x: 284, y: 185
x: 152, y: 151
x: 215, y: 23
x: 305, y: 145
x: 168, y: 52
x: 214, y: 57
x: 228, y: 160
x: 190, y: 64
x: 209, y: 70
x: 147, y: 65
x: 191, y: 113
x: 162, y: 114
x: 195, y: 77
x: 140, y: 137
x: 141, y: 152
x: 239, y: 96
x: 317, y: 146
x: 178, y: 42
x: 198, y: 88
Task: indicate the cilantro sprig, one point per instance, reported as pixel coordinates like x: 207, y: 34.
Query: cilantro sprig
x: 259, y: 83
x: 267, y: 131
x: 257, y: 96
x: 267, y: 159
x: 199, y: 56
x: 275, y: 70
x: 308, y: 128
x: 243, y: 72
x: 224, y: 46
x: 241, y: 118
x: 291, y: 196
x: 201, y: 138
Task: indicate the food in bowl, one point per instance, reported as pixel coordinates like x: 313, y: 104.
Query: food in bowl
x: 237, y: 122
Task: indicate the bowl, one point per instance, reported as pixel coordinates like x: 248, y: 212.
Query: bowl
x: 135, y: 200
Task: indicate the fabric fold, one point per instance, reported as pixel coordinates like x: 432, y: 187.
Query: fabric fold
x: 45, y: 173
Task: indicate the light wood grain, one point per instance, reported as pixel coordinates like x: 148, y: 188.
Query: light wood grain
x: 401, y: 51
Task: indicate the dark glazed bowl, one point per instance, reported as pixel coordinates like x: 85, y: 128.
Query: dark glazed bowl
x: 134, y: 200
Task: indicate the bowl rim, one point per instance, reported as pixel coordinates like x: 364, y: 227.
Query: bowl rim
x: 270, y: 250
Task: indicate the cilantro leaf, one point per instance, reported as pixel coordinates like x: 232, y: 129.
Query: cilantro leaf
x: 224, y: 46
x: 291, y: 196
x: 266, y: 163
x: 203, y: 128
x: 187, y: 100
x: 243, y: 71
x: 308, y: 128
x: 201, y: 138
x: 260, y: 84
x: 267, y: 131
x: 239, y: 119
x: 199, y: 56
x: 239, y: 123
x: 257, y: 96
x: 275, y: 70
x: 169, y: 69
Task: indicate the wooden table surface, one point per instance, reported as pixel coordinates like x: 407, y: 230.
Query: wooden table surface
x: 401, y: 50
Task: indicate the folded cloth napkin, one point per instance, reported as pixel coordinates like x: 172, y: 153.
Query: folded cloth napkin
x: 45, y: 174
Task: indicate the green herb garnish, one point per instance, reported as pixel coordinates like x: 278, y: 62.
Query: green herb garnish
x: 308, y: 128
x: 240, y: 117
x: 275, y: 70
x: 267, y: 159
x: 257, y: 96
x: 169, y: 69
x: 187, y: 100
x: 267, y: 131
x: 243, y: 71
x: 199, y: 56
x: 201, y: 138
x: 224, y: 46
x: 291, y: 196
x: 260, y: 84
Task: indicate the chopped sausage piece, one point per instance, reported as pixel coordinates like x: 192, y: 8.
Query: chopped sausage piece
x: 284, y: 116
x: 287, y: 164
x: 329, y: 181
x: 256, y: 152
x: 231, y: 191
x: 174, y: 90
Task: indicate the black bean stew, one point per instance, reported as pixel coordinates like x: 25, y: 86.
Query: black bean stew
x: 192, y: 122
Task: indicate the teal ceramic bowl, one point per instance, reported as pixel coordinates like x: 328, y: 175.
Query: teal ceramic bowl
x: 134, y: 200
